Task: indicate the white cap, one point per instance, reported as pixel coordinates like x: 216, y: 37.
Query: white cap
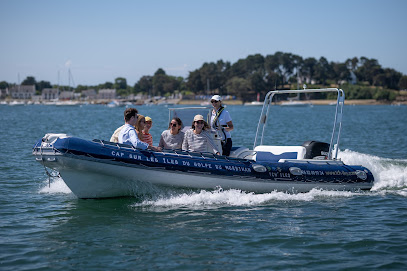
x: 198, y: 117
x: 216, y: 98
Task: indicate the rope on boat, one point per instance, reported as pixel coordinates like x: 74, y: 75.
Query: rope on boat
x: 50, y: 175
x: 46, y: 171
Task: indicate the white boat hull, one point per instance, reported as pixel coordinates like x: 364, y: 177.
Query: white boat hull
x: 93, y: 179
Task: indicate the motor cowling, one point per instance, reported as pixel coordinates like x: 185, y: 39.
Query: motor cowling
x: 316, y: 150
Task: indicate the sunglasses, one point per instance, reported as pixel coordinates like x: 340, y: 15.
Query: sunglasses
x: 199, y: 122
x: 214, y: 102
x: 174, y: 124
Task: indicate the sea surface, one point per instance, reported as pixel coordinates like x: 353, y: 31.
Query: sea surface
x: 43, y: 226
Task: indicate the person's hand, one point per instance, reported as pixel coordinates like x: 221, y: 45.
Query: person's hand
x: 154, y: 148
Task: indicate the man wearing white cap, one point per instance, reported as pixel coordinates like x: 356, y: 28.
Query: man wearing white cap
x: 222, y: 123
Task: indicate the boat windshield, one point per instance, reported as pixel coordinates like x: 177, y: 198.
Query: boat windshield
x: 187, y: 114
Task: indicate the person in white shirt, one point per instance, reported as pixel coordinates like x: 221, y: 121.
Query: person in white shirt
x: 221, y: 122
x: 128, y: 134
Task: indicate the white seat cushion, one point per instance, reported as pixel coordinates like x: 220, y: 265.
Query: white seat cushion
x: 281, y: 151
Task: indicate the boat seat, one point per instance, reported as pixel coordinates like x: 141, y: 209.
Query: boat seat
x: 275, y: 153
x: 237, y: 152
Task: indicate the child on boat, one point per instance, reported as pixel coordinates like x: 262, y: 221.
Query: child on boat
x: 145, y: 135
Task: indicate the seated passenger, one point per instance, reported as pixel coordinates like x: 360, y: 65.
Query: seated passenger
x: 128, y: 134
x: 115, y: 136
x: 140, y: 123
x: 198, y: 138
x: 172, y: 138
x: 145, y: 135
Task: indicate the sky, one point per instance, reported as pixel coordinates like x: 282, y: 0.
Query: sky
x: 99, y: 41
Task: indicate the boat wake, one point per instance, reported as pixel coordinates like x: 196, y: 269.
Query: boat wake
x: 389, y: 174
x: 235, y: 197
x: 390, y: 177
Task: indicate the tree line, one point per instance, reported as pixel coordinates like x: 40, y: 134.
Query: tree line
x: 364, y: 77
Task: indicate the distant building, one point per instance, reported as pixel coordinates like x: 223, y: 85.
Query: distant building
x: 4, y: 93
x: 36, y: 98
x: 50, y: 94
x: 107, y: 94
x: 66, y: 95
x: 89, y: 94
x: 22, y: 91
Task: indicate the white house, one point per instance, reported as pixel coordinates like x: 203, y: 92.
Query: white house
x: 89, y: 94
x: 108, y: 94
x: 50, y: 94
x: 66, y: 95
x: 22, y: 91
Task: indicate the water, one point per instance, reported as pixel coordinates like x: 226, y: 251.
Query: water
x: 46, y: 227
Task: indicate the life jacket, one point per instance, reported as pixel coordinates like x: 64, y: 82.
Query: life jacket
x: 215, y: 123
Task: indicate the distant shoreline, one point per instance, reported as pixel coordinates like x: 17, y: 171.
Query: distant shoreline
x: 201, y: 102
x: 314, y: 102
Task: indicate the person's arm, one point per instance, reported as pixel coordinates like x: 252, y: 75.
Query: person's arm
x: 185, y: 146
x: 115, y: 136
x: 180, y: 140
x: 150, y: 147
x: 136, y: 142
x: 228, y: 121
x: 210, y: 141
x: 161, y: 143
x: 229, y: 126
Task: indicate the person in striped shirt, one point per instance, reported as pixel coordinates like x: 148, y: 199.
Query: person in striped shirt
x: 145, y: 135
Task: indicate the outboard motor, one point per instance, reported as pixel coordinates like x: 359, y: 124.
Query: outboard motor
x: 316, y: 150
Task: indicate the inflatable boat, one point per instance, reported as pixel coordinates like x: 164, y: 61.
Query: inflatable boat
x: 102, y: 169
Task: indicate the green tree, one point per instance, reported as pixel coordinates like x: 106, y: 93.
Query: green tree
x: 194, y: 81
x: 4, y: 85
x: 368, y: 69
x: 392, y: 78
x: 42, y: 84
x: 239, y: 87
x: 403, y: 82
x: 120, y: 83
x: 107, y: 85
x: 323, y: 71
x: 341, y: 72
x: 30, y: 80
x: 352, y: 64
x: 257, y: 83
x: 308, y: 69
x: 386, y: 95
x: 80, y: 88
x: 145, y: 84
x: 159, y: 79
x: 210, y: 77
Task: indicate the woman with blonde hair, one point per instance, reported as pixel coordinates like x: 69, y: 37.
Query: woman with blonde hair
x: 141, y: 122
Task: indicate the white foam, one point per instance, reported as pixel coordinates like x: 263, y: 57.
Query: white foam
x: 57, y: 186
x: 237, y: 198
x: 388, y: 173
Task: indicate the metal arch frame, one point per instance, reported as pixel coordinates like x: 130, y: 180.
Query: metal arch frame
x: 336, y: 131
